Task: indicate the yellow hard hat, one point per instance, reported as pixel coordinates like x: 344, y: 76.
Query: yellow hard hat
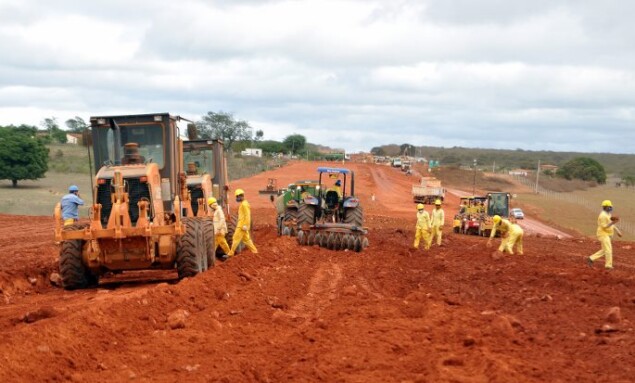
x: 437, y: 202
x: 239, y: 192
x: 607, y: 203
x: 497, y: 219
x: 420, y: 206
x: 211, y: 201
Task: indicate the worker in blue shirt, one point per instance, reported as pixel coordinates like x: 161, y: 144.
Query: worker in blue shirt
x: 70, y: 206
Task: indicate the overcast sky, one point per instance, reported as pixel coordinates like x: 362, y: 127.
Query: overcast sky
x: 540, y: 74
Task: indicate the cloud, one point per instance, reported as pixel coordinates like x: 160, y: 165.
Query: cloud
x: 493, y: 73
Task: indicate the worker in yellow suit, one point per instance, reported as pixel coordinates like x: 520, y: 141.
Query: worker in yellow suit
x: 512, y: 235
x: 241, y: 234
x: 423, y: 228
x: 220, y: 226
x: 604, y: 233
x: 437, y: 220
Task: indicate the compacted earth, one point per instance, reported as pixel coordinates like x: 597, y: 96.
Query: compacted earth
x: 456, y: 313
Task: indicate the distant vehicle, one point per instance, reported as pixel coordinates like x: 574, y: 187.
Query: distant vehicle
x: 427, y: 191
x: 396, y: 162
x: 517, y: 213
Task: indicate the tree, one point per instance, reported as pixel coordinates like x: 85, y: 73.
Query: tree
x: 55, y: 133
x: 76, y: 125
x: 223, y: 126
x: 271, y: 146
x: 628, y: 180
x: 378, y: 151
x: 294, y: 143
x: 583, y: 168
x: 22, y: 156
x: 259, y: 135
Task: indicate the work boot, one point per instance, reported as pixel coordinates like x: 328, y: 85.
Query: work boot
x: 224, y: 257
x: 589, y: 262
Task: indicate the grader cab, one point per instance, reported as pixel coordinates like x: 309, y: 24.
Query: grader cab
x: 138, y: 219
x: 497, y: 204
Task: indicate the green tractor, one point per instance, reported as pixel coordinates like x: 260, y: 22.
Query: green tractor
x: 305, y: 192
x: 335, y: 218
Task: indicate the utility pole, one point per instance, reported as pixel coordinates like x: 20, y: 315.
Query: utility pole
x: 494, y: 167
x: 474, y: 184
x: 537, y: 176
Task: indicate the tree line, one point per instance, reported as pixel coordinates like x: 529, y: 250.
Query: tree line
x: 24, y: 153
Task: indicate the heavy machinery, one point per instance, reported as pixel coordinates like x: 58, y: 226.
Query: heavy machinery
x: 288, y: 204
x: 496, y: 204
x: 427, y: 191
x: 271, y: 188
x: 336, y: 219
x: 470, y: 215
x: 137, y: 220
x: 205, y: 177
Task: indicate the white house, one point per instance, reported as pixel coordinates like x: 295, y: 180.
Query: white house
x: 72, y: 139
x: 254, y: 152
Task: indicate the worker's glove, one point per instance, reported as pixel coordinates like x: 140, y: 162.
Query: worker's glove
x: 245, y: 228
x: 615, y: 218
x: 619, y: 234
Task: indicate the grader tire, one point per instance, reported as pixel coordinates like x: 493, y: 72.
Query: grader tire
x: 354, y: 216
x: 306, y: 215
x: 72, y: 270
x: 210, y: 243
x: 190, y: 249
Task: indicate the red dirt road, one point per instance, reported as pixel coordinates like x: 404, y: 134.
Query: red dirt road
x: 290, y: 313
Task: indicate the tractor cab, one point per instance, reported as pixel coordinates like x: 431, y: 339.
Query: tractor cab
x: 335, y: 197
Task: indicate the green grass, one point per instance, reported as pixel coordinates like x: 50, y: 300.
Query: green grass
x: 580, y: 216
x: 39, y: 197
x: 68, y: 158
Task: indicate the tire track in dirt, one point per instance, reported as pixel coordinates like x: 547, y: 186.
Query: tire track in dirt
x: 321, y: 291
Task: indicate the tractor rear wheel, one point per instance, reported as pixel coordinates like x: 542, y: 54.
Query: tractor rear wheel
x: 354, y: 216
x: 190, y: 249
x: 306, y: 215
x: 290, y: 214
x: 74, y: 273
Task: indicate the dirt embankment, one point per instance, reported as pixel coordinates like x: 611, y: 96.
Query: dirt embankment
x: 290, y: 313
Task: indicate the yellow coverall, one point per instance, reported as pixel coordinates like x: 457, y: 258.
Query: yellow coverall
x: 512, y: 234
x: 241, y: 234
x: 422, y: 230
x: 220, y: 229
x: 604, y: 234
x: 438, y: 218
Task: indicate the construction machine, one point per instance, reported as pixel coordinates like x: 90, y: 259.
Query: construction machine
x: 471, y: 211
x: 288, y: 204
x: 334, y: 219
x: 138, y: 219
x: 428, y: 191
x: 498, y: 203
x: 271, y: 188
x: 205, y: 177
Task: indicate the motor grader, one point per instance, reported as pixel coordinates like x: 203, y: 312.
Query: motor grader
x: 497, y: 204
x: 140, y: 217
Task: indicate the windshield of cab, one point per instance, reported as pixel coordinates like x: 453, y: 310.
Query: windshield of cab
x: 148, y: 136
x: 202, y: 159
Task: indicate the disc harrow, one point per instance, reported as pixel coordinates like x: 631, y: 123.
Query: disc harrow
x: 334, y: 236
